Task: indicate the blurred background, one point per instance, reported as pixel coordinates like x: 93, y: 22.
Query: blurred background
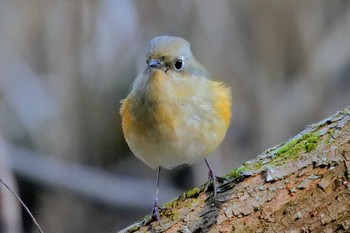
x: 65, y: 66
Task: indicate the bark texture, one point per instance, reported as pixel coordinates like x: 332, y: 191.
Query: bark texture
x: 298, y: 186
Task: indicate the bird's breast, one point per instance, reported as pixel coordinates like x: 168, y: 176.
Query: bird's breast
x: 172, y: 122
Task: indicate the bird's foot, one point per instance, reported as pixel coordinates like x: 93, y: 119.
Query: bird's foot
x: 213, y: 181
x: 212, y: 178
x: 156, y: 213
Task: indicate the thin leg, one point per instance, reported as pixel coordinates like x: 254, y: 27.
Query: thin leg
x: 155, y: 210
x: 212, y: 177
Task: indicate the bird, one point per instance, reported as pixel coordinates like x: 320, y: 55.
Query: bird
x: 175, y: 113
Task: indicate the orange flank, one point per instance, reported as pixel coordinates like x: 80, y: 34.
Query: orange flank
x: 126, y: 116
x: 223, y: 102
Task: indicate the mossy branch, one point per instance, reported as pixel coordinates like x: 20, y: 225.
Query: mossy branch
x: 302, y: 185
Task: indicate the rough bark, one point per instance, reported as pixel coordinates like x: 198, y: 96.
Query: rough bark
x: 299, y: 186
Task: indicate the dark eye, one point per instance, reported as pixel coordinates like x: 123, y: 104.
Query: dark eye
x: 178, y: 64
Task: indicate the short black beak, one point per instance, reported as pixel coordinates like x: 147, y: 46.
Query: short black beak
x: 155, y: 63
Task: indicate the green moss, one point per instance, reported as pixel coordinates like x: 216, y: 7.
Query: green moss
x: 237, y: 172
x: 170, y: 213
x: 257, y: 165
x: 134, y: 228
x: 292, y: 149
x: 247, y: 166
x: 171, y: 204
x: 289, y: 149
x: 189, y: 205
x: 189, y: 194
x: 193, y: 192
x: 311, y: 143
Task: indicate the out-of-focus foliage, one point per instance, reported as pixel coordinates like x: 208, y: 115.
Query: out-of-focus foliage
x: 65, y: 65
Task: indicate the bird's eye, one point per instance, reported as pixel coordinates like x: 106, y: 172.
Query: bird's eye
x: 179, y: 63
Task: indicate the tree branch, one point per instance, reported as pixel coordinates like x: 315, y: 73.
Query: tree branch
x: 301, y: 185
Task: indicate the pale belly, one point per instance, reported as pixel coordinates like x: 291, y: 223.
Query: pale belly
x: 185, y: 143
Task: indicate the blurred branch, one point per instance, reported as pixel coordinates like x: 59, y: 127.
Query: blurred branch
x: 24, y: 206
x: 10, y: 210
x: 123, y: 192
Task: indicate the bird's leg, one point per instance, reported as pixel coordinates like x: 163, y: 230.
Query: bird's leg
x: 211, y: 177
x: 155, y: 210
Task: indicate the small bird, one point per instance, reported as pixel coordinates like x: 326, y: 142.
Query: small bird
x: 174, y: 114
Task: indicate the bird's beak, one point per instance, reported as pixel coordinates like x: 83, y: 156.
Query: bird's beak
x: 155, y: 63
